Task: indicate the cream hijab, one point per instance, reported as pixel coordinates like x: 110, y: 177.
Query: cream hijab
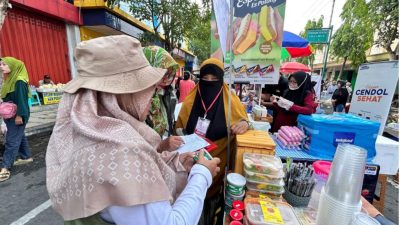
x: 102, y: 154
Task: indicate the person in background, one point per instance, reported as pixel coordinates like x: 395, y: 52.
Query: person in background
x: 15, y: 89
x: 46, y: 80
x: 185, y: 86
x: 339, y: 97
x: 349, y: 90
x: 297, y: 99
x: 277, y: 89
x: 101, y: 138
x: 205, y: 112
x: 332, y: 87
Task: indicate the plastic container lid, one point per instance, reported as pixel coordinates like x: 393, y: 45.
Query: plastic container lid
x: 236, y: 179
x: 271, y: 176
x: 239, y: 205
x: 322, y: 168
x: 276, y: 193
x: 261, y: 163
x: 236, y: 214
x: 235, y: 223
x: 255, y: 215
x: 266, y: 186
x: 363, y: 219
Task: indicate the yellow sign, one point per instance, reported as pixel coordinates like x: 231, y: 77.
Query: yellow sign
x: 51, y: 97
x: 271, y: 212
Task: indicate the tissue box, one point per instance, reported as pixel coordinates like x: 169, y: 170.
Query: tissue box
x: 325, y: 132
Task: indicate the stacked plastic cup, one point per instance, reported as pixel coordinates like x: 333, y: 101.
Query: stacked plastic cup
x: 341, y: 197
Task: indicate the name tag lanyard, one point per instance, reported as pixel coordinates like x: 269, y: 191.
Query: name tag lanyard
x: 212, y: 103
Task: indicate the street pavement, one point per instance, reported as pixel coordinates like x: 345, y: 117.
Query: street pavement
x: 24, y: 199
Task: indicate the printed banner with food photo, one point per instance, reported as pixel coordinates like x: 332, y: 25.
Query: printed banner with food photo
x: 257, y: 38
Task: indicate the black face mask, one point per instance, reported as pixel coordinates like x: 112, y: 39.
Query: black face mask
x: 210, y: 83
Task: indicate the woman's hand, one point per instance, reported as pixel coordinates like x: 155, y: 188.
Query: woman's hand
x: 211, y: 165
x: 18, y: 120
x: 240, y: 128
x: 273, y: 99
x: 170, y: 144
x: 187, y: 160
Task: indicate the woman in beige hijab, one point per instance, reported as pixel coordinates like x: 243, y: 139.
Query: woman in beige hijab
x: 102, y: 163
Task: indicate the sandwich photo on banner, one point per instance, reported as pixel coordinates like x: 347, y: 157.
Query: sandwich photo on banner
x: 257, y: 40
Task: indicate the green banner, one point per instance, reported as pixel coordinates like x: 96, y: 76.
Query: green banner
x: 257, y: 39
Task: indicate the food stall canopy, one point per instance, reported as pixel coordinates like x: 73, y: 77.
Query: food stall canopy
x: 291, y: 67
x: 293, y: 41
x: 290, y: 52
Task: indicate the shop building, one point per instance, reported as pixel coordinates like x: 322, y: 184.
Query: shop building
x: 100, y: 20
x: 42, y: 34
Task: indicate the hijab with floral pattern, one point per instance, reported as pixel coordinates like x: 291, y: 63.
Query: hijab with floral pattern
x: 160, y: 58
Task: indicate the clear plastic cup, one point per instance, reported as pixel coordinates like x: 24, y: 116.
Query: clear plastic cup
x: 347, y: 174
x: 332, y: 212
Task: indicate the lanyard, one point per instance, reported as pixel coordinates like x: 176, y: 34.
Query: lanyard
x: 212, y: 103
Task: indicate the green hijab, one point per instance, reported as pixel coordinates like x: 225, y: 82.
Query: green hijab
x: 160, y: 58
x: 18, y: 72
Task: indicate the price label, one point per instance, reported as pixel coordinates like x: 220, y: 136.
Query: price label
x: 271, y: 212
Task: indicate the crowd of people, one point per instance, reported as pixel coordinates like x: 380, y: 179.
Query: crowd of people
x: 116, y: 131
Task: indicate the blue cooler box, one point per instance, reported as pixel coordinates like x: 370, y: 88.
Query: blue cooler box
x: 325, y: 132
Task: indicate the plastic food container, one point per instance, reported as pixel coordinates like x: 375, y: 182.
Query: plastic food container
x: 259, y: 177
x: 260, y: 163
x: 236, y: 183
x: 236, y: 215
x: 239, y: 205
x: 254, y: 213
x: 274, y: 193
x: 266, y: 186
x: 230, y: 198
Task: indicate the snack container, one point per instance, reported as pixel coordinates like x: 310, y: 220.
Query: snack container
x: 266, y: 187
x: 262, y: 191
x: 259, y: 177
x: 235, y: 184
x: 260, y: 163
x: 255, y: 216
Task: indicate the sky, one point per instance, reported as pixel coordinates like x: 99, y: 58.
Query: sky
x: 298, y: 12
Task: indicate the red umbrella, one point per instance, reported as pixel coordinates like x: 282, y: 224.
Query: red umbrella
x: 291, y: 67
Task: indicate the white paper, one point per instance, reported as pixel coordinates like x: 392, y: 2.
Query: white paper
x: 193, y: 143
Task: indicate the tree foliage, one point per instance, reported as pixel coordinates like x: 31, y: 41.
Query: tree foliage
x: 385, y: 22
x: 311, y: 24
x: 170, y: 18
x: 199, y: 35
x: 355, y: 36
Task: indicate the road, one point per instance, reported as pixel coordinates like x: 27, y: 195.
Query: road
x: 24, y: 198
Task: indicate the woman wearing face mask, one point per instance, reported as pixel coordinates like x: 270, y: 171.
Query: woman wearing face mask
x: 297, y: 99
x: 102, y: 164
x: 205, y: 112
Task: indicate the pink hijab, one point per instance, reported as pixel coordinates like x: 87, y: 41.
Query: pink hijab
x: 102, y: 154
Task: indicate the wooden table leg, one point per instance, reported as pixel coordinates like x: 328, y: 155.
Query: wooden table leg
x: 380, y: 202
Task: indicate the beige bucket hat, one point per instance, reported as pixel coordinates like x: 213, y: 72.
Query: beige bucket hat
x: 113, y: 64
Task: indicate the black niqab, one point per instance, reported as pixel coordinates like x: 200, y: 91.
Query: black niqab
x: 209, y: 91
